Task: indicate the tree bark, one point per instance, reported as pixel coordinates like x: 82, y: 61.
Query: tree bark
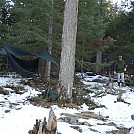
x: 98, y: 61
x: 43, y: 127
x: 50, y: 32
x: 52, y: 122
x: 99, y: 53
x: 67, y: 62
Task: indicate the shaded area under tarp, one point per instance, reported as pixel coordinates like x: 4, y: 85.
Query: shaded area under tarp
x: 14, y: 51
x: 23, y: 67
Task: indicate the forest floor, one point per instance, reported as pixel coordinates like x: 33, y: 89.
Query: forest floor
x: 95, y: 109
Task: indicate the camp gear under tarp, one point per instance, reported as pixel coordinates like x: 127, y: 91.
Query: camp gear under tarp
x: 50, y: 94
x: 14, y: 51
x: 46, y: 56
x: 23, y: 67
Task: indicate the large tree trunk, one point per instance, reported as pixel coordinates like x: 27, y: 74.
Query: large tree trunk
x: 67, y: 62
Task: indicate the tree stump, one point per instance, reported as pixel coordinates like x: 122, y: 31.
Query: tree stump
x: 44, y: 127
x: 119, y: 98
x: 52, y: 123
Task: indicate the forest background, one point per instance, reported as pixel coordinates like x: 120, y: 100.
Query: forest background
x: 35, y: 26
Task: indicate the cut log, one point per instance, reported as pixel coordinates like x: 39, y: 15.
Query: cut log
x: 52, y: 122
x: 40, y: 128
x: 44, y: 127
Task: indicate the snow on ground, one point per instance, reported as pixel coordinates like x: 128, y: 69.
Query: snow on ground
x: 17, y: 115
x: 119, y: 113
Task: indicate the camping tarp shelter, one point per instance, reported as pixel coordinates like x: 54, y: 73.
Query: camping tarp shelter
x: 23, y: 67
x: 17, y: 52
x: 14, y: 51
x: 46, y: 56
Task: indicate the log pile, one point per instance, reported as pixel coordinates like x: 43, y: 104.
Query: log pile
x: 43, y: 127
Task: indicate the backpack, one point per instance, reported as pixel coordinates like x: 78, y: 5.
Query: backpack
x: 50, y: 94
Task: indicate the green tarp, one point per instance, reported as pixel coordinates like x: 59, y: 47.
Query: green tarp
x: 46, y: 56
x: 23, y: 67
x: 17, y: 52
x: 14, y: 51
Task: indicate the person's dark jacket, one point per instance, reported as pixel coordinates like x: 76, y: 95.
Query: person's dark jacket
x: 119, y: 66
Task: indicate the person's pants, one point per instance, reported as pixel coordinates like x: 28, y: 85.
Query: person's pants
x: 120, y: 77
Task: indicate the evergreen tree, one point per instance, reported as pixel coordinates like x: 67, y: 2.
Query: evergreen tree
x: 30, y: 29
x: 91, y: 25
x: 5, y: 19
x: 121, y: 29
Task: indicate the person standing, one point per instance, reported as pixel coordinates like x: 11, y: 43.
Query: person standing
x: 119, y: 69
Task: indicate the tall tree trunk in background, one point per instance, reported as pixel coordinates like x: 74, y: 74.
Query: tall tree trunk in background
x: 99, y: 53
x: 50, y: 32
x: 98, y: 61
x: 82, y: 71
x: 67, y: 62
